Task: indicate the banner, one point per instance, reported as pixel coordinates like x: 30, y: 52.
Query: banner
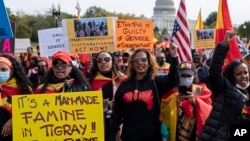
x: 134, y: 34
x: 74, y: 116
x: 204, y: 38
x: 90, y: 35
x: 21, y: 45
x: 51, y: 41
x: 7, y: 45
x: 5, y: 28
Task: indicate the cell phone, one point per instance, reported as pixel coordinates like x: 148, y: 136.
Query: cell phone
x: 182, y: 90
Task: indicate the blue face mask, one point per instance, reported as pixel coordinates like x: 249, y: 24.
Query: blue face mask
x: 4, y: 76
x: 186, y: 81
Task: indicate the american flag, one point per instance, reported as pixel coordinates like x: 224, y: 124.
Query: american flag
x: 180, y: 34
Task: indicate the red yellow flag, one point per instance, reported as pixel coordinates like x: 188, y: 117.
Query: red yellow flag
x: 222, y: 25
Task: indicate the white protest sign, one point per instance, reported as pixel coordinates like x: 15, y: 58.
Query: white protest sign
x: 51, y: 41
x: 21, y: 45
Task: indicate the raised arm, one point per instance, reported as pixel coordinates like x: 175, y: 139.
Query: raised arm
x: 167, y: 82
x: 215, y: 78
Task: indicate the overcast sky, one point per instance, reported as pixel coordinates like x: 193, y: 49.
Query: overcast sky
x: 239, y: 9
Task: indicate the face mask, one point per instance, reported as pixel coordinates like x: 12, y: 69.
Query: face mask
x: 40, y: 71
x: 161, y: 62
x: 74, y: 63
x: 243, y: 88
x: 4, y: 76
x: 186, y: 81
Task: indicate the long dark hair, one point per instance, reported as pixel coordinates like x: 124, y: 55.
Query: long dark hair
x: 229, y: 70
x: 22, y: 81
x: 75, y: 73
x: 115, y: 68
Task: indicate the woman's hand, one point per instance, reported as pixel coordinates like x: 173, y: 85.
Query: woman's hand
x: 105, y: 104
x: 188, y: 96
x: 228, y: 36
x: 173, y: 50
x: 7, y: 128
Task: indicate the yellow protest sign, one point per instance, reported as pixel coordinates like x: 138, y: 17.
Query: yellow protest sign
x: 204, y: 38
x: 58, y: 117
x: 134, y: 33
x: 89, y: 35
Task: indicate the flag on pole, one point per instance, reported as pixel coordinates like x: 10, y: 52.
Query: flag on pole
x: 78, y: 7
x: 180, y: 35
x: 199, y: 25
x: 222, y: 25
x: 199, y: 22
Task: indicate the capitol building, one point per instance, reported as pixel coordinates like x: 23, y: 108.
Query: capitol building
x: 164, y: 16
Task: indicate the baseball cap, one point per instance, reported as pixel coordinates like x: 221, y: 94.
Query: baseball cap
x: 64, y: 56
x: 187, y: 67
x: 197, y: 55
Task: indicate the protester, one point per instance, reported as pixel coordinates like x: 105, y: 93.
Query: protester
x: 137, y: 100
x: 32, y: 66
x: 230, y: 94
x: 163, y: 65
x: 201, y: 69
x: 13, y: 81
x: 192, y: 108
x: 28, y: 56
x: 124, y: 67
x: 106, y: 76
x: 63, y: 77
x: 42, y: 68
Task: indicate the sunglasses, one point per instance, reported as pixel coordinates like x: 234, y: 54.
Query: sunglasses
x: 143, y: 60
x: 105, y: 60
x: 58, y: 65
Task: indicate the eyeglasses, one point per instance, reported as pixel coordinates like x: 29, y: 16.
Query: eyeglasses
x: 136, y: 60
x: 106, y: 60
x: 58, y: 65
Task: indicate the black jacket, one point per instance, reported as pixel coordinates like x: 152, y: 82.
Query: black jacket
x: 228, y: 101
x: 137, y: 106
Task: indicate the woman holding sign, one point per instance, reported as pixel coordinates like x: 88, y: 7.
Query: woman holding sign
x: 63, y: 76
x: 137, y: 100
x: 13, y: 81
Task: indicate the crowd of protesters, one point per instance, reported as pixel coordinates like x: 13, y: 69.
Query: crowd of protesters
x: 147, y: 95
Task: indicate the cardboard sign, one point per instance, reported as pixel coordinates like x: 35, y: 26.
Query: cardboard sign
x: 21, y: 45
x: 51, y: 41
x: 5, y: 28
x: 134, y: 34
x: 204, y: 38
x: 58, y: 117
x: 7, y: 45
x: 90, y: 35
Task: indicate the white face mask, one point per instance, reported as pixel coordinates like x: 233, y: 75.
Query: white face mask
x: 186, y: 81
x: 243, y: 88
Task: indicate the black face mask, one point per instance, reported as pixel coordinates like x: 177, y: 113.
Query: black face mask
x: 40, y: 71
x: 161, y: 62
